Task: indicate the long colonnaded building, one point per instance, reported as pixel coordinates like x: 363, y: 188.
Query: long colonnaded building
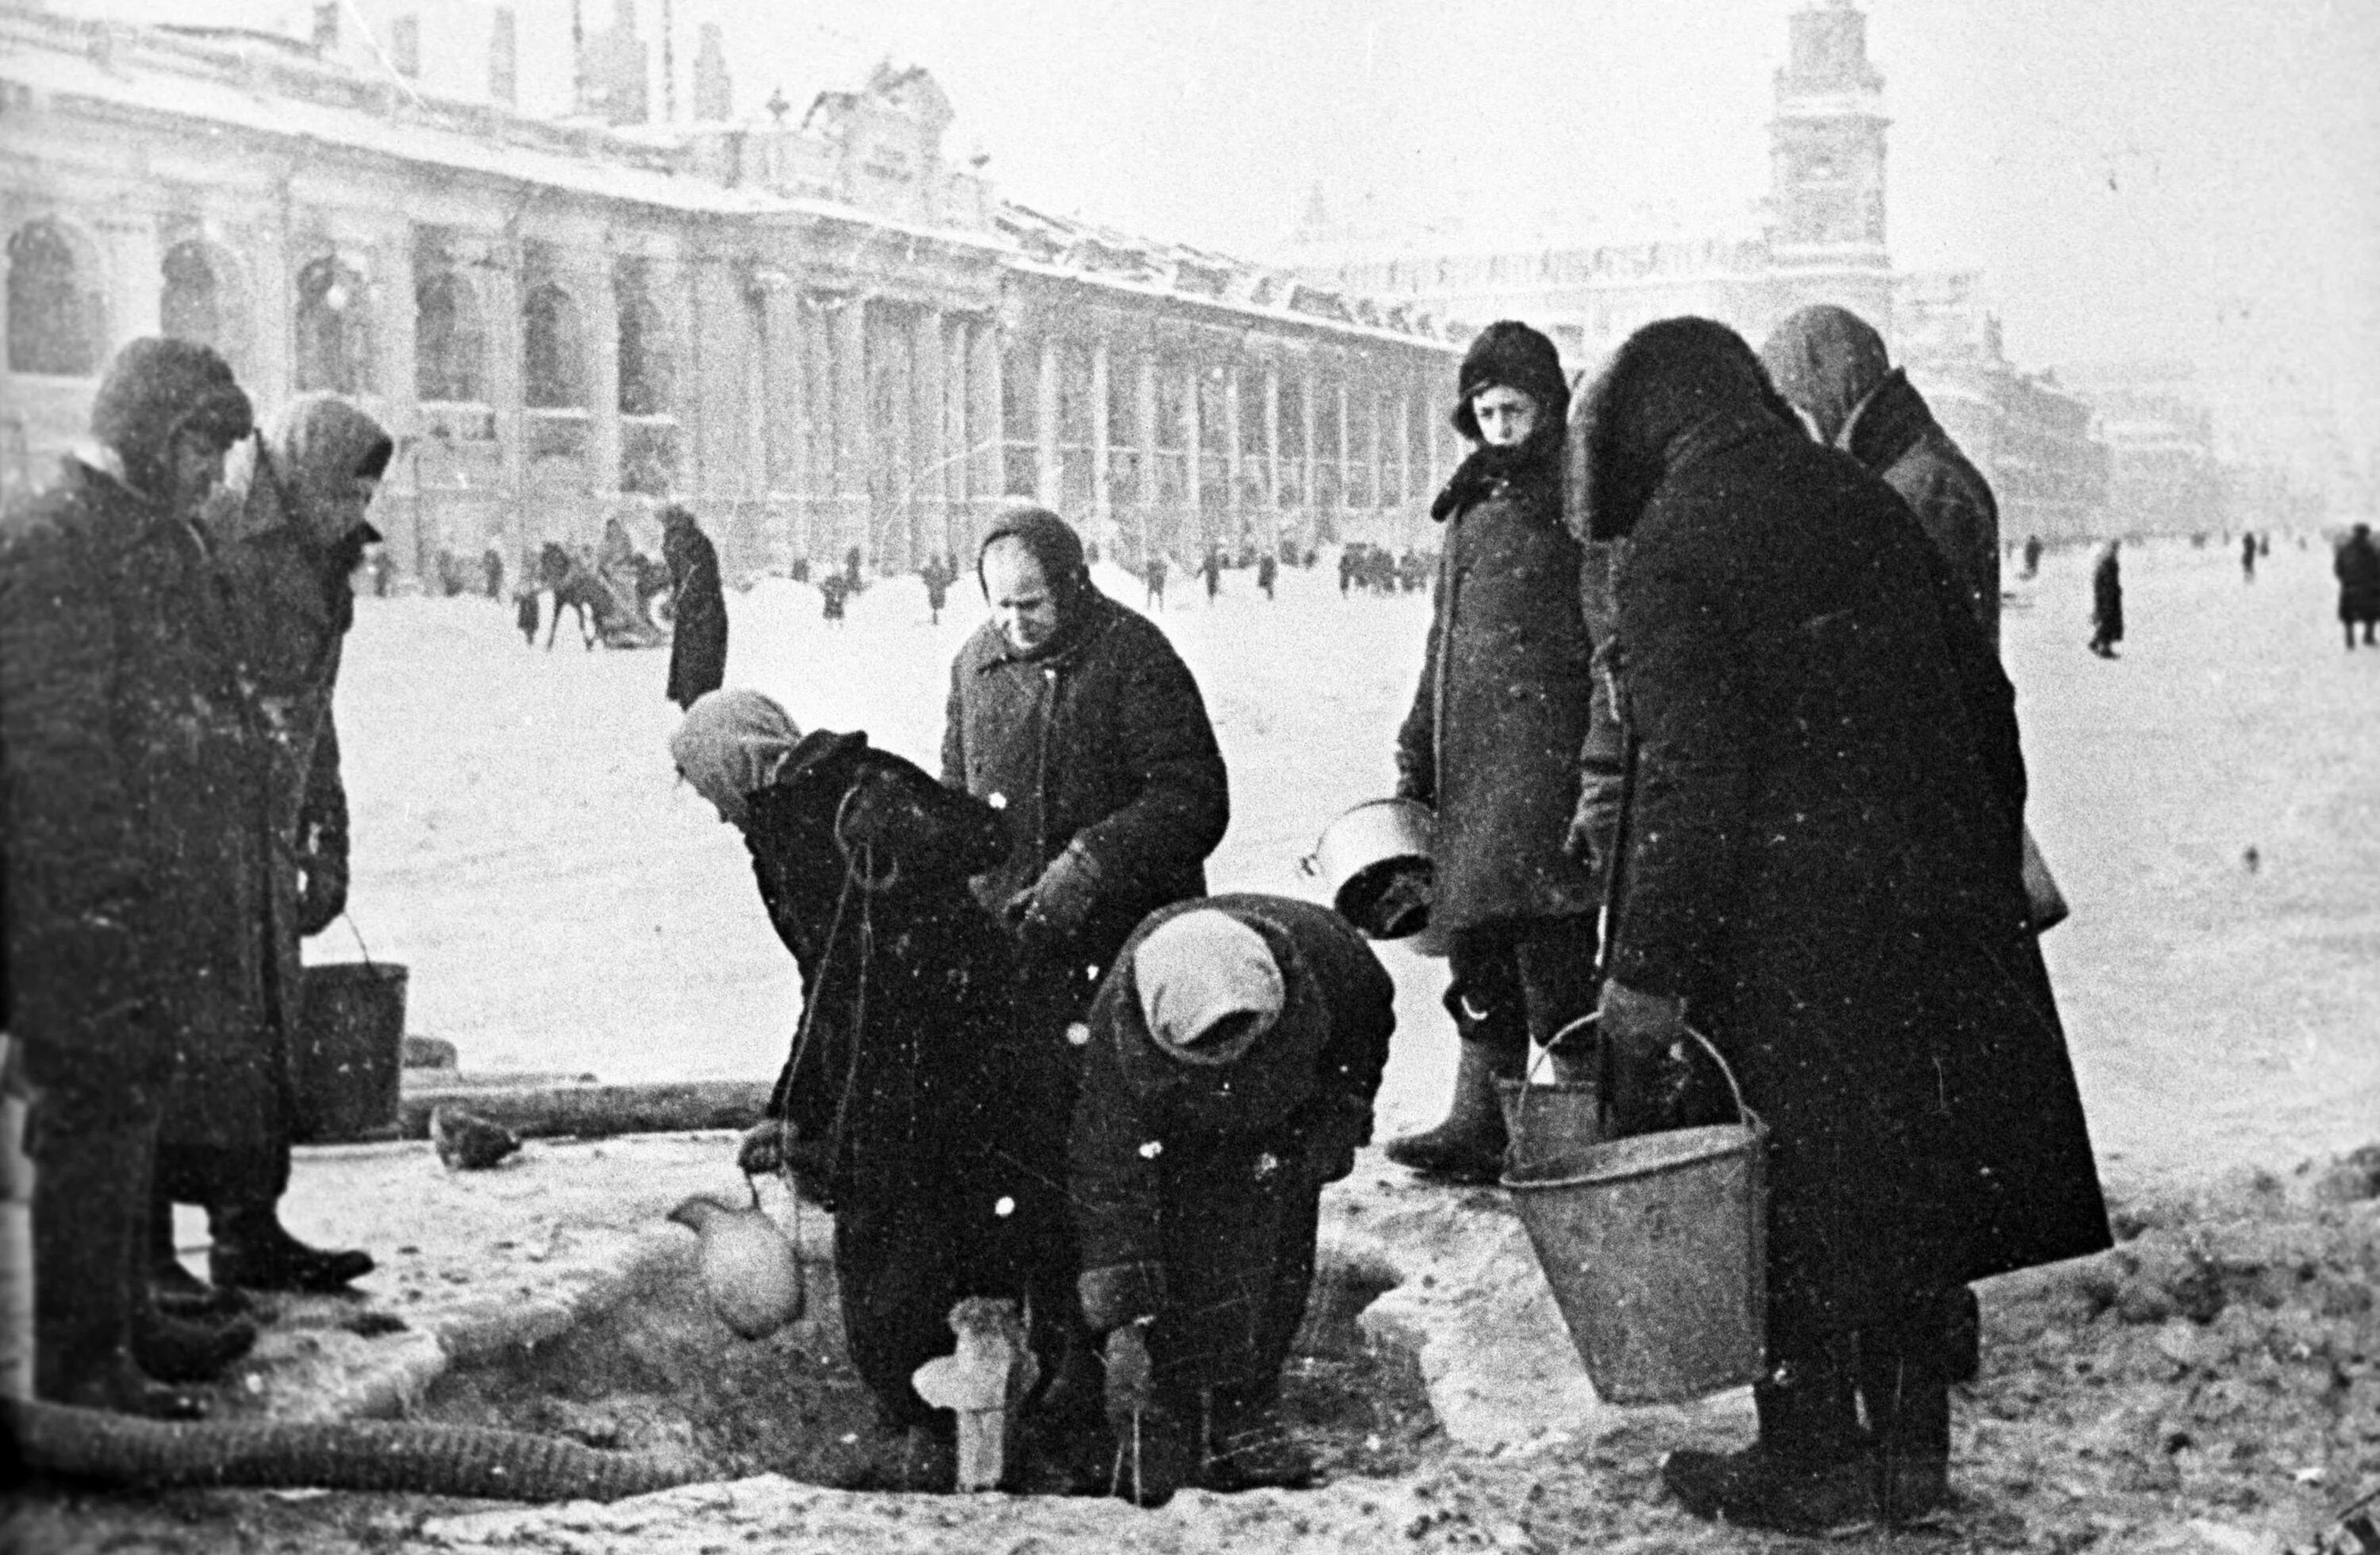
x: 812, y: 328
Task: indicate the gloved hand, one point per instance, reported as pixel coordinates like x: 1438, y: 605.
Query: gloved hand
x: 321, y: 892
x: 1594, y: 823
x: 1645, y: 1067
x: 1332, y: 1133
x: 1059, y: 902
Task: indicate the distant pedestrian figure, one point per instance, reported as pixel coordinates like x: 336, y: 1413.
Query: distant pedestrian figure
x: 492, y: 570
x: 1267, y: 570
x: 2247, y: 557
x: 1153, y: 578
x: 698, y: 608
x: 937, y: 588
x: 2107, y: 603
x: 1213, y: 569
x: 2356, y: 568
x: 833, y: 589
x: 851, y: 559
x: 801, y: 569
x: 526, y: 608
x: 384, y: 571
x: 2031, y: 555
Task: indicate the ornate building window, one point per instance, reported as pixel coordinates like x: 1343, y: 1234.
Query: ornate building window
x: 553, y: 351
x: 334, y: 342
x: 450, y: 341
x: 202, y: 300
x: 647, y: 364
x: 56, y: 320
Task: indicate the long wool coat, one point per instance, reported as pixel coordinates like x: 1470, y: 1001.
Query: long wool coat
x: 137, y: 909
x: 1894, y: 436
x: 1499, y: 719
x: 1104, y: 743
x: 1823, y: 846
x: 697, y: 614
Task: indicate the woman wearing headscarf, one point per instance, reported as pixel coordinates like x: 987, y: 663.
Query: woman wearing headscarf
x: 1820, y: 872
x: 289, y: 528
x: 1495, y: 740
x: 913, y: 1129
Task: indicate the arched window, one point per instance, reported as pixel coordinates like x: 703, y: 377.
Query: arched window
x: 450, y: 345
x: 55, y: 323
x: 334, y: 343
x: 554, y: 350
x: 646, y: 367
x: 202, y: 300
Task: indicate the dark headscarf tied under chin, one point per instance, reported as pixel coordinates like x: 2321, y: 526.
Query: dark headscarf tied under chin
x: 1826, y: 360
x: 1674, y: 391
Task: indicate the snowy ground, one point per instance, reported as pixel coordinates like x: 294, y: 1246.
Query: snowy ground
x: 520, y: 840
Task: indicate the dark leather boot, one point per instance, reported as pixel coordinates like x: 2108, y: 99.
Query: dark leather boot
x: 90, y: 1190
x: 1962, y: 1335
x: 255, y: 1252
x: 172, y: 1288
x: 176, y: 1349
x: 1807, y: 1474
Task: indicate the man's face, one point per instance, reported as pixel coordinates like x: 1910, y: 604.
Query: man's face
x: 1506, y: 416
x: 194, y: 464
x: 1022, y: 603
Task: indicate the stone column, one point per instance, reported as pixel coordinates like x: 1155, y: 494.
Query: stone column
x: 1145, y: 400
x: 1404, y: 443
x: 929, y: 448
x: 135, y: 280
x: 986, y: 426
x: 1306, y: 414
x: 1231, y: 466
x: 1339, y: 407
x: 854, y: 433
x: 1272, y: 447
x: 602, y: 307
x: 1047, y: 483
x: 1195, y: 455
x: 958, y: 473
x: 1103, y: 497
x: 785, y: 389
x: 395, y: 379
x: 1375, y: 456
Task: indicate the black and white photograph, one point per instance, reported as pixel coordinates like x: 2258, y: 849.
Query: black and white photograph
x: 1041, y: 777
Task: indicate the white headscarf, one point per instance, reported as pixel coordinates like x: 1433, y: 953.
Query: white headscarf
x: 1197, y: 970
x: 733, y: 743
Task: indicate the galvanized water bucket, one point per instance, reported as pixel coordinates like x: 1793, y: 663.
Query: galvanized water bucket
x: 1374, y: 862
x: 348, y: 1049
x: 1656, y: 1250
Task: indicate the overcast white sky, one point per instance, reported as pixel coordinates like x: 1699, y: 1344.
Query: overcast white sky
x: 2134, y: 178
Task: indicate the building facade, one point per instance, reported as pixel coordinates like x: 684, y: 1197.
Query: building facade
x: 814, y: 331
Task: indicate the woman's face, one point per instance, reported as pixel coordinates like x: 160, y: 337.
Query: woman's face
x: 347, y: 509
x: 1506, y: 416
x: 1022, y: 601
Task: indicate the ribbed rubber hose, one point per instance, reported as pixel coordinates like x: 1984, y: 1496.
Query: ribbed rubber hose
x: 427, y: 1458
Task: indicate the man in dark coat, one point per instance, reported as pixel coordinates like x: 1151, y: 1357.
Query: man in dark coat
x: 1821, y: 869
x: 698, y: 608
x: 1234, y: 1050
x: 1494, y: 741
x: 2356, y: 568
x: 129, y: 757
x: 2107, y: 601
x: 1831, y: 365
x: 288, y: 531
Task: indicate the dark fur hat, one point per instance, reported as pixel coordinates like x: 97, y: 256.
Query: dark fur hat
x: 1669, y: 379
x: 1511, y: 354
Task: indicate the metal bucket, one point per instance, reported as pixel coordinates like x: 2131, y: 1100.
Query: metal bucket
x: 1550, y: 1123
x: 1374, y: 862
x: 1656, y: 1250
x: 349, y: 1050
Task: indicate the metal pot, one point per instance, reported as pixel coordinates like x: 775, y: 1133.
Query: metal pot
x: 1374, y: 860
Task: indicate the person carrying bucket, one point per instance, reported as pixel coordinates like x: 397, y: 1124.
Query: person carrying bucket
x: 1494, y: 744
x: 1820, y: 869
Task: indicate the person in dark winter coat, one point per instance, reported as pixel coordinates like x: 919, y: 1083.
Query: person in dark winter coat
x: 1831, y: 365
x: 698, y: 608
x: 913, y: 1128
x: 1268, y: 570
x: 1234, y: 1050
x: 2248, y: 558
x: 1211, y: 569
x: 1820, y: 870
x: 130, y: 768
x: 1494, y: 742
x: 2356, y: 568
x: 2107, y: 601
x: 289, y: 529
x: 1152, y: 576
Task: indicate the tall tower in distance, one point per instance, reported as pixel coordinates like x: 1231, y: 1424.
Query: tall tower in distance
x: 1826, y: 168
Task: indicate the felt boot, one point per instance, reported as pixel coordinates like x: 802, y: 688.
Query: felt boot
x: 1905, y: 1391
x: 1468, y: 1147
x: 1807, y: 1474
x: 90, y: 1199
x: 172, y: 1288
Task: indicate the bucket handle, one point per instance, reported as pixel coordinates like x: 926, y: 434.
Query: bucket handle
x: 349, y: 919
x: 1528, y: 1080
